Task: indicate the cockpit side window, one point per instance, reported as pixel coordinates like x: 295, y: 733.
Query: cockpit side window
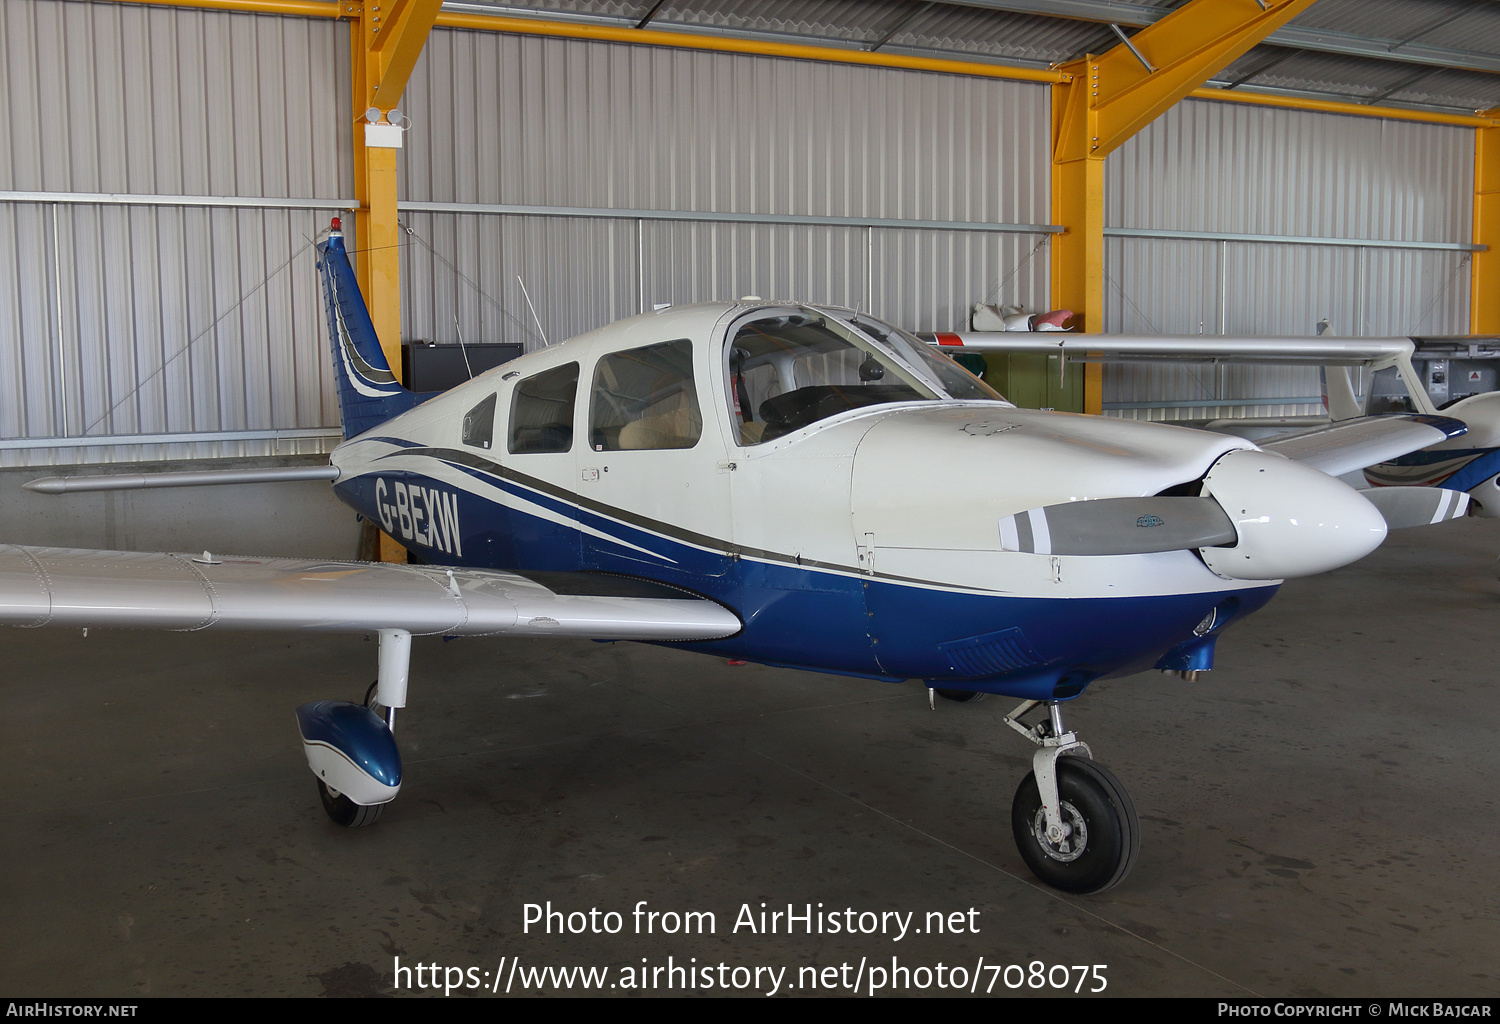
x: 479, y: 424
x: 645, y: 398
x: 541, y: 411
x: 790, y: 370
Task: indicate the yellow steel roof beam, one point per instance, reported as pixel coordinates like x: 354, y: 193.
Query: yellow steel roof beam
x: 1104, y: 100
x: 1134, y: 83
x: 729, y: 44
x: 397, y: 44
x: 735, y: 44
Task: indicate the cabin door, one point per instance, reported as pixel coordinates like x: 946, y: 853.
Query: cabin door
x: 653, y: 493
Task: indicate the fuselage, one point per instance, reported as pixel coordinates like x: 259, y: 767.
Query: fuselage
x: 839, y: 493
x: 1470, y: 463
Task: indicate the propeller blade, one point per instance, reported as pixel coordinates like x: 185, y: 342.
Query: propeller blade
x: 1417, y: 506
x: 1118, y: 526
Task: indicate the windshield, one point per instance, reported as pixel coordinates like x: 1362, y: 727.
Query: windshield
x: 787, y: 369
x: 949, y: 377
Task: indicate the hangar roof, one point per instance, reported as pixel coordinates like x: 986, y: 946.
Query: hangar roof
x: 1439, y: 55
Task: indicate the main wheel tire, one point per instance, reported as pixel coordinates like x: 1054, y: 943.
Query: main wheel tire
x: 346, y: 812
x: 961, y: 696
x: 1104, y: 833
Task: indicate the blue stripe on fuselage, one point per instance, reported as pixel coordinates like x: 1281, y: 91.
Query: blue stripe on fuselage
x: 815, y: 618
x: 1432, y: 457
x: 1476, y: 472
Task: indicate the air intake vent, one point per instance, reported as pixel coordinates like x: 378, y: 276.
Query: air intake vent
x: 990, y: 654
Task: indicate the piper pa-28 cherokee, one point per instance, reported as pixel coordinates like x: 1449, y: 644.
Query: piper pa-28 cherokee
x: 791, y: 485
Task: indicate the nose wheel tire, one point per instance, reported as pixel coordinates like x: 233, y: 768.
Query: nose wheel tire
x: 1102, y: 833
x: 346, y: 812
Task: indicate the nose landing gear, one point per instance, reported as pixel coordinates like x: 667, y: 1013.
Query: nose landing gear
x: 1073, y: 822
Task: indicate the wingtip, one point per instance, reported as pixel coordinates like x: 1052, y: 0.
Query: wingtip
x: 1447, y: 424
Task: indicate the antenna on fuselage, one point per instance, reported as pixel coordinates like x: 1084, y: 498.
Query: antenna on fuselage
x: 533, y: 311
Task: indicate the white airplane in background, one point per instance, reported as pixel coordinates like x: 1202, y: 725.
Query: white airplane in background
x: 1461, y: 472
x: 775, y: 482
x: 1471, y: 464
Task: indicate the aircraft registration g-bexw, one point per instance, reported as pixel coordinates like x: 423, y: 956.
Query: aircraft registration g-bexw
x: 796, y: 486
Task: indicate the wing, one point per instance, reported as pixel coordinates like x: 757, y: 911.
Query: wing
x: 1324, y: 351
x: 1355, y: 444
x: 67, y: 587
x: 1342, y: 448
x: 198, y: 478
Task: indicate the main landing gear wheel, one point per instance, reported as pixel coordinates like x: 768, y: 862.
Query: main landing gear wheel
x: 346, y: 812
x: 961, y: 696
x: 339, y: 807
x: 350, y: 749
x: 1102, y: 833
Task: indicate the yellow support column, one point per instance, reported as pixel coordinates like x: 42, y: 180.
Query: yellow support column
x: 387, y: 37
x: 1078, y: 205
x: 1484, y: 273
x: 1103, y: 101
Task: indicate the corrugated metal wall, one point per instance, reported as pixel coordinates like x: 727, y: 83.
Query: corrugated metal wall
x: 581, y: 126
x: 152, y: 318
x: 148, y: 317
x: 526, y: 158
x: 1234, y: 169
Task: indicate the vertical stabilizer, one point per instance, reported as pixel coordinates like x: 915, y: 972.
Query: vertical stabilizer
x: 1338, y: 394
x: 369, y: 393
x: 1338, y: 389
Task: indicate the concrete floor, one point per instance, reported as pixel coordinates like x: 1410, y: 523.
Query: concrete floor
x: 1319, y: 815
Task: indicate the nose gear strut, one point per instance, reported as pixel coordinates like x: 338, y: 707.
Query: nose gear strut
x: 1073, y: 822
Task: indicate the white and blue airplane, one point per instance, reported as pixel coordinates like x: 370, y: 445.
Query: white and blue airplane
x: 1469, y: 464
x: 777, y: 482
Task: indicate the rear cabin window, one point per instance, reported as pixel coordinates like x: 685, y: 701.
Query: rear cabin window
x: 645, y: 398
x: 479, y: 424
x: 541, y: 411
